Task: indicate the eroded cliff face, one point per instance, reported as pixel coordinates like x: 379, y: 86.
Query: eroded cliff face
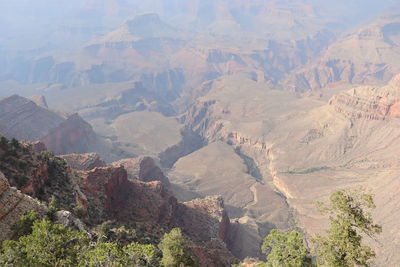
x: 73, y: 135
x: 368, y: 102
x: 303, y: 150
x: 143, y: 169
x: 105, y: 193
x: 14, y: 204
x: 35, y: 172
x: 368, y: 56
x: 62, y: 133
x: 110, y: 195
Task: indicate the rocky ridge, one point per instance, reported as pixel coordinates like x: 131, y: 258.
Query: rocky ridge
x: 370, y: 102
x: 105, y: 193
x: 23, y: 119
x: 367, y: 56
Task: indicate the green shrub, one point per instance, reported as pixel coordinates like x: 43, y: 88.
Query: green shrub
x: 23, y: 226
x: 48, y: 245
x: 350, y: 221
x: 285, y: 249
x: 174, y: 250
x: 54, y: 205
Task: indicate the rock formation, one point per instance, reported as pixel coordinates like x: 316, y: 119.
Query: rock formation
x: 60, y: 132
x: 83, y: 162
x: 142, y: 169
x: 105, y: 193
x: 110, y: 195
x: 370, y: 102
x: 13, y: 204
x: 368, y: 56
x: 23, y: 119
x: 74, y: 135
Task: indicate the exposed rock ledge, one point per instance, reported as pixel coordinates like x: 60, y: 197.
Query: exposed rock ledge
x: 368, y: 102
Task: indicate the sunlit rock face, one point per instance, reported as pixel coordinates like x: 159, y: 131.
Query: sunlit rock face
x: 370, y: 102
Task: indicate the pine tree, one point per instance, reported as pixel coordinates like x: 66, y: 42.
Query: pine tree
x: 174, y: 250
x: 350, y: 220
x: 285, y: 249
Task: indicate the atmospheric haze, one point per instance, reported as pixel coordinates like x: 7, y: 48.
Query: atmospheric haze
x: 271, y: 105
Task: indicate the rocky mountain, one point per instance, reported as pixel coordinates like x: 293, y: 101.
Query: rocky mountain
x: 367, y: 56
x: 105, y: 193
x: 60, y: 132
x: 23, y: 119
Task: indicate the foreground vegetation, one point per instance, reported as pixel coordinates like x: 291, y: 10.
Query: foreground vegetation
x: 40, y: 242
x: 350, y: 220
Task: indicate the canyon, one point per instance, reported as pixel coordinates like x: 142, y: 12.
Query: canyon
x: 226, y: 118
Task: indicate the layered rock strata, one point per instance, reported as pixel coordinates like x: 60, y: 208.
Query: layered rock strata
x: 13, y: 204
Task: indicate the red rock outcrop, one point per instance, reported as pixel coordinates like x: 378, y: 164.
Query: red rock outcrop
x: 74, y: 135
x: 215, y: 223
x: 369, y: 102
x: 143, y: 169
x: 110, y: 195
x: 105, y: 193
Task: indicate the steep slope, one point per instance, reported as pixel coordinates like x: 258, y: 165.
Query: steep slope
x: 217, y: 169
x: 23, y: 119
x: 60, y: 132
x: 105, y: 194
x: 37, y: 173
x: 74, y: 135
x: 307, y: 147
x: 110, y: 195
x: 13, y: 205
